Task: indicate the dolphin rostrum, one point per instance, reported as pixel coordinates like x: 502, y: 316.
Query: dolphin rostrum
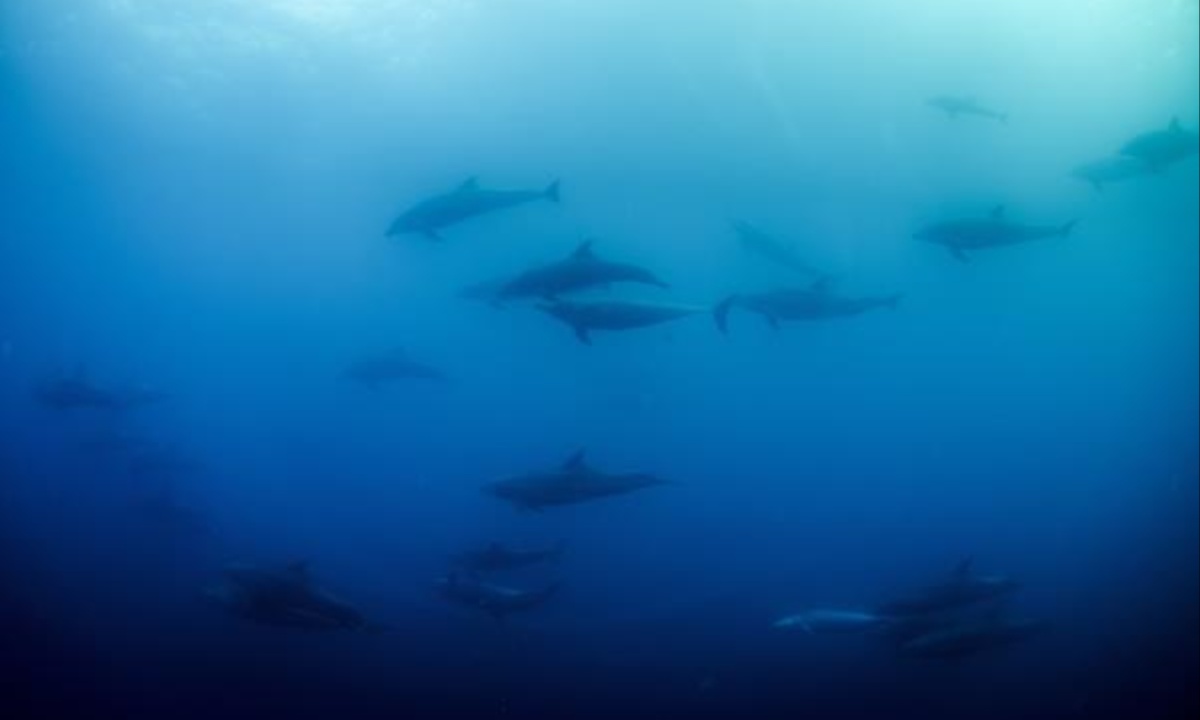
x: 468, y: 200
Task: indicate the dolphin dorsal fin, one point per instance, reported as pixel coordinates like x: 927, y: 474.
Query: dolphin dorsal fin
x: 577, y: 461
x: 963, y: 568
x: 998, y: 212
x: 1174, y: 125
x: 584, y: 250
x: 471, y: 183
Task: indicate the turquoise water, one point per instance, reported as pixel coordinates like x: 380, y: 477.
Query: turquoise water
x: 196, y: 276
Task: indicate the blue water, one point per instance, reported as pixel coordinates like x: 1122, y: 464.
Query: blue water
x: 193, y: 199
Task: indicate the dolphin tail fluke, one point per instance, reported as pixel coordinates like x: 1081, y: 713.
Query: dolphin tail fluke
x: 721, y: 313
x: 551, y: 192
x: 1066, y: 229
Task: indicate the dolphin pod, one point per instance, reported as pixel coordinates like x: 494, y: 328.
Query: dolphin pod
x: 960, y: 616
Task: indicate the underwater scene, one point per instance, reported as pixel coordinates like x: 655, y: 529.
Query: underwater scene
x: 599, y: 359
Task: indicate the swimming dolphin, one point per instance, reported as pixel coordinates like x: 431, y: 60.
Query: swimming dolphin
x: 284, y: 597
x: 575, y: 481
x: 827, y: 621
x: 1110, y: 170
x: 396, y: 365
x: 468, y: 200
x: 972, y: 637
x: 759, y: 243
x: 496, y: 557
x: 811, y: 303
x: 963, y: 588
x: 962, y: 236
x: 586, y: 317
x: 78, y: 392
x: 955, y: 105
x: 1160, y: 148
x: 499, y: 601
x: 580, y: 270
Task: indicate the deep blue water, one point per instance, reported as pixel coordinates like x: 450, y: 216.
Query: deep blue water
x: 193, y: 201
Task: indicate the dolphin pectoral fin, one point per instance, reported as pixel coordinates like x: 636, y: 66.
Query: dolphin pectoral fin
x: 721, y: 314
x: 771, y: 320
x: 471, y: 183
x: 432, y: 234
x: 1066, y: 229
x: 959, y: 254
x: 581, y: 332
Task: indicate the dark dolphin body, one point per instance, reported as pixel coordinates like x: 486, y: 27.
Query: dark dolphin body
x: 497, y: 557
x: 1100, y: 173
x: 397, y: 365
x: 498, y: 601
x: 468, y: 200
x: 962, y: 589
x: 955, y: 105
x: 586, y: 317
x: 284, y: 597
x: 575, y: 481
x: 1160, y: 148
x: 970, y: 638
x: 70, y: 393
x: 580, y: 270
x: 759, y: 243
x: 811, y: 303
x: 962, y: 236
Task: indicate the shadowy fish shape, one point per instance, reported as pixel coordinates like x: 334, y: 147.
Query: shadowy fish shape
x: 573, y: 482
x: 389, y: 368
x: 429, y: 217
x: 963, y: 236
x: 955, y: 105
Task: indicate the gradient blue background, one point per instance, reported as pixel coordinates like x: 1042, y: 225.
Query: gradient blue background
x: 193, y: 195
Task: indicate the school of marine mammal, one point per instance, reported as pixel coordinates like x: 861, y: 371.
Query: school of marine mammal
x: 583, y: 291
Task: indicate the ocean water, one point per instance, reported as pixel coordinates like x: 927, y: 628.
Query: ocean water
x: 197, y: 287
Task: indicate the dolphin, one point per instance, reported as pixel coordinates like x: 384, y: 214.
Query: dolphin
x: 759, y: 243
x: 809, y: 303
x: 585, y: 317
x: 1110, y: 170
x: 575, y: 481
x: 821, y: 621
x: 499, y: 601
x: 963, y: 588
x: 466, y: 201
x: 1159, y: 148
x: 496, y: 557
x: 78, y: 392
x: 955, y: 105
x: 396, y: 365
x: 284, y: 597
x: 962, y: 236
x: 970, y: 638
x: 580, y: 270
